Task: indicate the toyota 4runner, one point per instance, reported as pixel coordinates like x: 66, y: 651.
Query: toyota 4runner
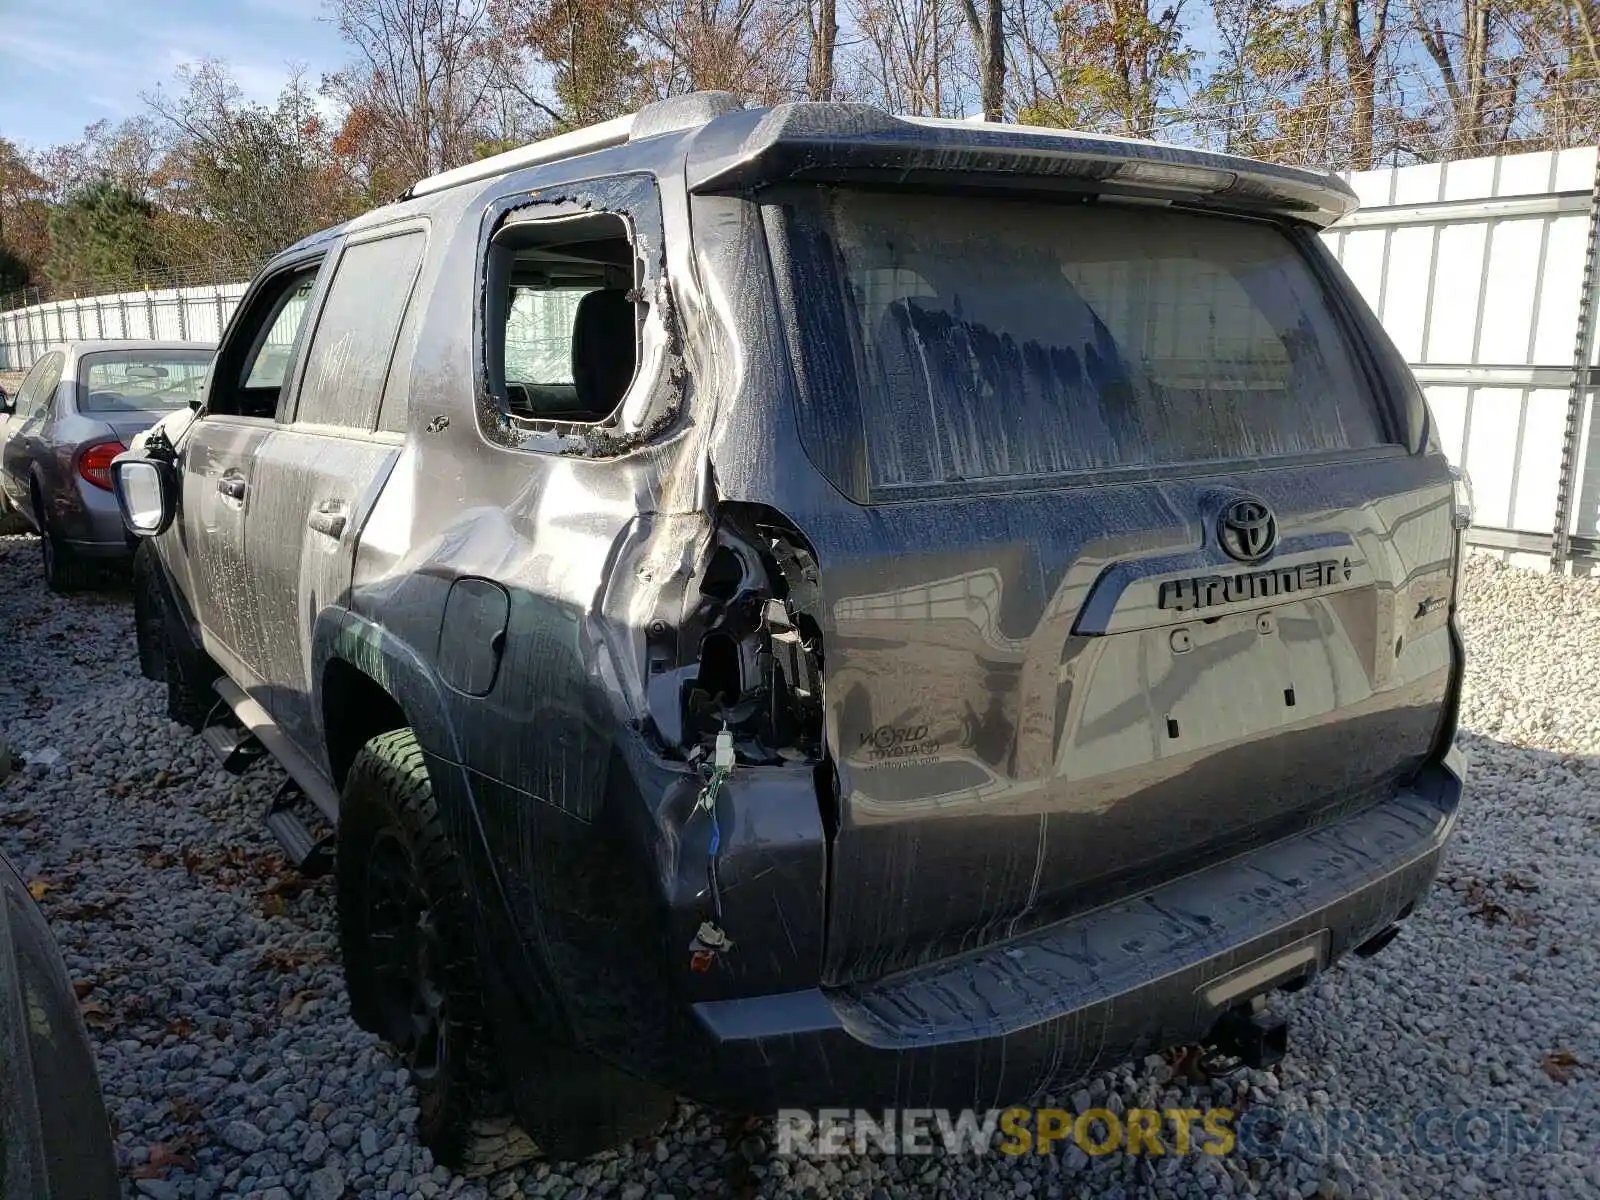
x: 805, y: 607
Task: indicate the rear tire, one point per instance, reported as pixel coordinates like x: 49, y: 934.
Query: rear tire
x: 11, y: 519
x: 62, y: 571
x: 410, y: 962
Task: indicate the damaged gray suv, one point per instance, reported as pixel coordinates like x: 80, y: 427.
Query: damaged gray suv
x: 799, y: 607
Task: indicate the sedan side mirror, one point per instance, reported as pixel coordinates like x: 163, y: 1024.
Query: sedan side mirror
x: 147, y: 493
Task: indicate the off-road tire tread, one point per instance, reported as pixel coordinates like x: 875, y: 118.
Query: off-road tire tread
x: 388, y: 787
x: 149, y: 616
x: 189, y: 676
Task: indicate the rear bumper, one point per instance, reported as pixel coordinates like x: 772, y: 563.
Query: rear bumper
x: 89, y: 524
x: 1006, y: 1023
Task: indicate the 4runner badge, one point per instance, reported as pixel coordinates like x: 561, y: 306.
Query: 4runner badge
x: 1204, y: 591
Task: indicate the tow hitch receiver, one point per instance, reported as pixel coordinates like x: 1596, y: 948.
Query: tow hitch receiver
x: 1251, y: 1034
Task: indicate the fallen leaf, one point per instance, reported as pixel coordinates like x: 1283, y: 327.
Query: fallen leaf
x: 1516, y: 883
x: 1489, y: 912
x: 82, y: 987
x: 80, y: 912
x: 289, y: 886
x: 297, y: 1002
x: 1559, y: 1065
x: 184, y: 1110
x: 180, y: 1027
x: 171, y: 1154
x: 147, y: 1171
x: 38, y: 887
x: 281, y: 959
x: 95, y: 1015
x: 17, y: 819
x: 273, y: 906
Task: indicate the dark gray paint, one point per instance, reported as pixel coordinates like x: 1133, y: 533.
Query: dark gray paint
x: 55, y: 1143
x: 1050, y: 785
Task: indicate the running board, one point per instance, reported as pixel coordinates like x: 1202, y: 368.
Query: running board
x: 312, y: 856
x: 235, y: 746
x: 295, y: 763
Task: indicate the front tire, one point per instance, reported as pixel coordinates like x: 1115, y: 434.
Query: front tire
x: 189, y: 673
x: 149, y: 615
x: 410, y: 962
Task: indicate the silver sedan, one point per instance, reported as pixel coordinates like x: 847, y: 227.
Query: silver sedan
x: 77, y: 409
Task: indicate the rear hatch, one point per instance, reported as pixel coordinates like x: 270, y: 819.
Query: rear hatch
x: 1134, y: 571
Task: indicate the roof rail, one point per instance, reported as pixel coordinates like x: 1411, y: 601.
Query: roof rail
x: 663, y: 116
x: 564, y: 145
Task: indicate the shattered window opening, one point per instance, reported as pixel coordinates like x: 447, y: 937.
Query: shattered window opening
x: 564, y: 320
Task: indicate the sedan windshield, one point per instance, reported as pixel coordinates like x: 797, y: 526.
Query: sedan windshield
x: 142, y: 380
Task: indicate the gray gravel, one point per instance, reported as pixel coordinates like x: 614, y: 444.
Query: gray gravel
x: 210, y: 979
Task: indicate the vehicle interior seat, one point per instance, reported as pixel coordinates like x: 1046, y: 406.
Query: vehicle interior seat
x: 603, y: 350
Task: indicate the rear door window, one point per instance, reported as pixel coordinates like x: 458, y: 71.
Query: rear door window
x: 348, y: 362
x: 39, y: 388
x: 1007, y: 339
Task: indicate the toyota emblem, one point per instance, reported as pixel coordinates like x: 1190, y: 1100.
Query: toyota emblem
x: 1248, y: 531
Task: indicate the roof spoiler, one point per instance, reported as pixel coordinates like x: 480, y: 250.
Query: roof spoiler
x: 803, y: 141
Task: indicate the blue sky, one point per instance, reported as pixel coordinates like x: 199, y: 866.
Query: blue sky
x: 66, y: 63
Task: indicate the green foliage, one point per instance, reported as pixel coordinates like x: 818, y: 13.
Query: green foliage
x: 14, y: 273
x: 260, y: 177
x: 1116, y: 64
x: 103, y: 230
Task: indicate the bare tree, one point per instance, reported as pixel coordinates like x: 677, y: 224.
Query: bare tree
x: 589, y: 46
x: 1363, y: 52
x: 989, y: 38
x: 1467, y: 41
x: 751, y: 48
x: 823, y: 18
x: 421, y: 78
x: 911, y: 61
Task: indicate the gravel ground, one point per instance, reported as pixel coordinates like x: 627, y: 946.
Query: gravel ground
x: 231, y: 1066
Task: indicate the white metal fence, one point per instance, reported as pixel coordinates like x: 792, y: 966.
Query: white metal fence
x: 1482, y: 270
x: 181, y: 314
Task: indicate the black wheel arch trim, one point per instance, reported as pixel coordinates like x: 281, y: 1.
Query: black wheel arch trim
x: 395, y: 667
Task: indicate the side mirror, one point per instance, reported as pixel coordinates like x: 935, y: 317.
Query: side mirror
x: 5, y: 403
x: 147, y: 493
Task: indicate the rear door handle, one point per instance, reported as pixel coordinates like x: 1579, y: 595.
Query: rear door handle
x: 232, y: 486
x: 327, y: 519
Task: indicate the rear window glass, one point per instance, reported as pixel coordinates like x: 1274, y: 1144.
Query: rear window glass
x: 995, y: 339
x: 142, y: 381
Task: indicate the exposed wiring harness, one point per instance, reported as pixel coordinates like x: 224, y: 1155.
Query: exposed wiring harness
x: 710, y: 940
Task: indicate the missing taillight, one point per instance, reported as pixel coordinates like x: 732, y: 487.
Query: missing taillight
x: 94, y: 463
x: 752, y: 624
